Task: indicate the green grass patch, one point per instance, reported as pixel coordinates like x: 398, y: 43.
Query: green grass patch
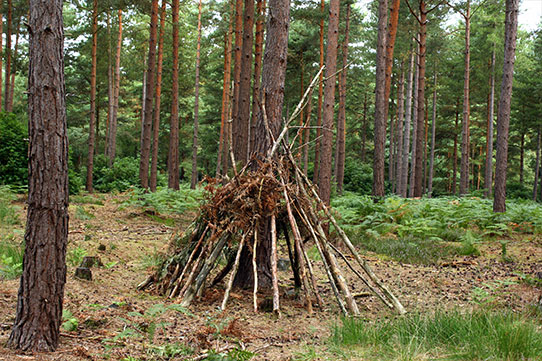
x: 8, y: 212
x: 165, y: 200
x: 478, y: 335
x: 87, y: 199
x: 11, y: 259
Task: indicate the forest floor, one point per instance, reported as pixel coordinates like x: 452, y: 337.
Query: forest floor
x: 109, y: 319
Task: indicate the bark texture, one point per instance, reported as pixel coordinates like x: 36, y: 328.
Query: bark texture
x: 39, y: 304
x: 173, y: 152
x: 256, y: 86
x: 488, y: 179
x: 316, y: 175
x: 8, y: 55
x: 146, y: 125
x: 433, y: 137
x: 503, y: 116
x: 194, y: 178
x: 326, y: 144
x: 92, y: 117
x: 408, y: 117
x: 465, y: 141
x: 380, y: 102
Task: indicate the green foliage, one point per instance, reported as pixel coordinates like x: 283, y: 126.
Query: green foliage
x: 358, y: 177
x: 11, y: 259
x: 468, y: 245
x: 477, y: 335
x: 70, y: 322
x: 122, y: 175
x: 13, y: 150
x: 75, y: 256
x: 233, y: 355
x: 8, y: 214
x: 82, y: 214
x: 166, y: 200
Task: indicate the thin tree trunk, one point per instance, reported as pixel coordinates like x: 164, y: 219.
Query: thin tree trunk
x: 156, y: 122
x: 194, y: 179
x: 418, y: 169
x: 381, y: 102
x: 414, y: 127
x: 456, y: 127
x: 400, y: 127
x: 341, y: 120
x: 149, y: 95
x: 329, y: 102
x: 433, y: 136
x: 243, y: 112
x: 406, y: 141
x: 92, y: 119
x: 307, y: 132
x: 258, y: 55
x: 316, y: 175
x: 464, y: 177
x: 364, y: 130
x: 41, y: 292
x: 14, y: 65
x: 112, y: 140
x: 222, y: 162
x: 110, y: 83
x: 173, y: 152
x: 521, y: 157
x: 537, y: 163
x: 488, y: 182
x: 503, y: 116
x: 8, y: 56
x: 2, y: 52
x: 238, y: 59
x: 425, y: 145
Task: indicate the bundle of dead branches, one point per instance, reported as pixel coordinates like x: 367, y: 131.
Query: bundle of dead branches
x: 274, y: 191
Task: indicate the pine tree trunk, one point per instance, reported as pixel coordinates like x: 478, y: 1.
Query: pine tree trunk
x: 156, y: 115
x: 8, y: 56
x: 488, y: 182
x: 146, y: 126
x: 341, y: 121
x: 194, y: 178
x: 364, y: 130
x: 110, y: 84
x: 433, y: 136
x: 329, y: 102
x: 537, y: 163
x: 521, y: 157
x: 112, y: 134
x: 456, y: 128
x: 222, y: 162
x: 418, y: 167
x: 381, y: 102
x: 425, y: 145
x: 173, y: 150
x: 464, y: 178
x: 316, y: 175
x: 1, y: 52
x: 238, y: 59
x: 503, y: 116
x: 256, y: 86
x: 273, y: 76
x: 415, y: 95
x: 400, y: 135
x: 14, y: 65
x: 39, y: 305
x: 92, y: 118
x: 406, y: 141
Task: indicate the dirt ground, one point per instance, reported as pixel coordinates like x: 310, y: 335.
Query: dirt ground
x: 104, y: 307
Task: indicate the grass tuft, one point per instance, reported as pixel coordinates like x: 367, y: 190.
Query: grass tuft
x: 478, y: 335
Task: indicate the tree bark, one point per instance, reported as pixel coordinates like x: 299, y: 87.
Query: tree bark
x: 8, y: 56
x: 110, y: 83
x: 92, y: 119
x: 414, y: 126
x: 488, y: 182
x: 465, y: 141
x: 156, y: 121
x: 537, y: 163
x: 238, y: 58
x: 400, y: 133
x: 433, y: 136
x: 273, y: 76
x: 41, y: 292
x: 329, y: 102
x: 503, y: 116
x: 194, y: 178
x: 14, y: 65
x: 521, y: 157
x: 1, y: 52
x: 243, y: 112
x: 381, y: 102
x: 256, y: 86
x: 364, y: 130
x: 406, y: 141
x: 456, y: 127
x: 316, y: 175
x: 112, y: 141
x: 146, y: 125
x: 173, y: 153
x: 341, y: 120
x: 222, y: 162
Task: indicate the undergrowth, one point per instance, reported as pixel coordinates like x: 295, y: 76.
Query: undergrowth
x: 166, y: 200
x: 421, y: 230
x: 8, y: 212
x: 476, y: 335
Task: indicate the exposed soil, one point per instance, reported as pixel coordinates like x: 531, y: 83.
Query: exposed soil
x: 104, y: 306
